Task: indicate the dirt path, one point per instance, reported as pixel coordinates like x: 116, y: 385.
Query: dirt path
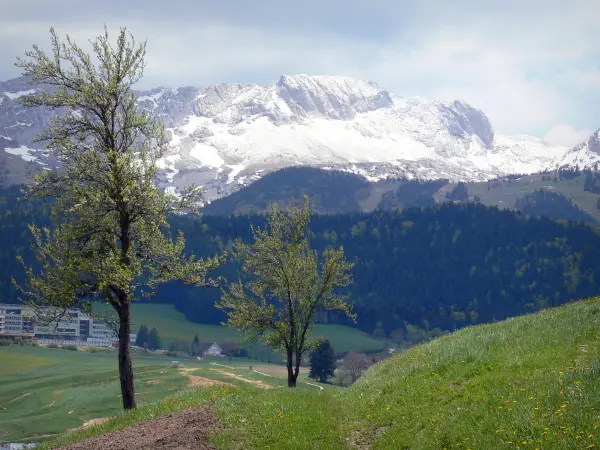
x: 299, y: 381
x: 185, y: 430
x: 196, y: 381
x: 257, y: 383
x: 26, y: 394
x: 97, y: 421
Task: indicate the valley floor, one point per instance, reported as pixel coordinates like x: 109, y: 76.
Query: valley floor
x: 531, y: 382
x: 45, y: 392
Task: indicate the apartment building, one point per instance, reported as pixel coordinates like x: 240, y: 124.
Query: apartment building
x: 74, y: 325
x: 11, y: 319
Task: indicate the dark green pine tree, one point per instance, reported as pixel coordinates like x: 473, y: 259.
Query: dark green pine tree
x: 154, y: 339
x: 195, y: 346
x: 322, y: 362
x: 142, y: 336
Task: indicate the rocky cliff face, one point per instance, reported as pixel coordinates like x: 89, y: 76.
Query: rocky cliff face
x: 226, y: 135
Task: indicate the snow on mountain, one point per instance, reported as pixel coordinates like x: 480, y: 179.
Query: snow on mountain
x: 226, y: 135
x: 585, y: 155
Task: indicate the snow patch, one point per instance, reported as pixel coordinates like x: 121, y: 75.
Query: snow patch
x: 24, y: 152
x: 235, y: 169
x: 207, y: 155
x: 173, y: 191
x: 16, y: 95
x: 6, y: 137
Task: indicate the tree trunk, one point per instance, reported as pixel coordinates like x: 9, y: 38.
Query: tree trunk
x: 125, y: 366
x: 297, y: 369
x: 290, y: 369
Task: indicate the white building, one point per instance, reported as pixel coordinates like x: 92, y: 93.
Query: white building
x: 73, y: 325
x: 11, y: 319
x: 209, y: 349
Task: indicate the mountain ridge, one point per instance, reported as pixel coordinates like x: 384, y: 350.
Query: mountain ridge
x: 223, y: 136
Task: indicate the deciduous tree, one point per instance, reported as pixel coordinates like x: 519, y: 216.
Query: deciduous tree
x: 289, y: 283
x: 355, y: 363
x: 110, y: 240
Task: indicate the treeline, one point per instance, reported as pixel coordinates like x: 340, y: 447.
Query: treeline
x: 413, y: 193
x: 547, y: 203
x: 436, y: 268
x: 330, y: 190
x: 418, y: 272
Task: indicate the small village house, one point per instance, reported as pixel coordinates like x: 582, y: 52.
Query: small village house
x: 209, y: 349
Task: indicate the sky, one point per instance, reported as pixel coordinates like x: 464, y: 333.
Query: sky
x: 533, y: 66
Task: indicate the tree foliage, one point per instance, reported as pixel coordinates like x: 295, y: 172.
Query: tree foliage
x: 142, y: 336
x: 542, y: 202
x: 322, y: 362
x: 421, y: 271
x: 154, y: 342
x: 289, y: 283
x: 458, y: 193
x: 108, y: 240
x: 353, y: 366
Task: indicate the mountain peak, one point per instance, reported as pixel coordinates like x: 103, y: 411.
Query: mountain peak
x: 225, y: 135
x: 585, y: 155
x: 334, y: 97
x: 473, y: 121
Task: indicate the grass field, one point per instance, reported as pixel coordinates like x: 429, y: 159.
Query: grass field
x: 531, y: 382
x: 172, y: 324
x: 44, y: 392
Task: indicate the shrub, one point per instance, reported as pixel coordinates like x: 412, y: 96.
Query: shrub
x: 52, y: 346
x: 70, y: 347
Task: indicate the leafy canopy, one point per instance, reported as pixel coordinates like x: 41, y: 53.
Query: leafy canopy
x: 111, y: 237
x: 289, y: 283
x: 322, y: 362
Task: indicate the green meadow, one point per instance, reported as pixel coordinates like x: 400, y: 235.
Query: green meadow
x: 45, y: 391
x: 173, y: 324
x: 531, y: 382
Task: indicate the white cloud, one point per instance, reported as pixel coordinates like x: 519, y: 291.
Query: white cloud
x: 526, y: 75
x: 586, y: 79
x: 566, y: 135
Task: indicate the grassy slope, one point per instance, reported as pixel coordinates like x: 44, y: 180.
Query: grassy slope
x: 172, y: 324
x: 507, y: 194
x: 528, y: 382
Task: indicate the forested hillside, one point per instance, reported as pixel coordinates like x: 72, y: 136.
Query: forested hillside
x: 418, y: 272
x: 331, y: 191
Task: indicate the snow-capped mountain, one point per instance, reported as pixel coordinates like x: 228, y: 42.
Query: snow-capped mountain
x: 226, y: 135
x: 585, y: 155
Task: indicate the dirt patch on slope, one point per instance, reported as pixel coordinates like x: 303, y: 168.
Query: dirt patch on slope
x: 196, y: 381
x: 96, y: 421
x: 258, y: 383
x: 186, y: 430
x: 272, y: 369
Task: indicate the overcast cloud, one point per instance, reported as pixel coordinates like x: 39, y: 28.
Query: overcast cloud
x: 533, y: 66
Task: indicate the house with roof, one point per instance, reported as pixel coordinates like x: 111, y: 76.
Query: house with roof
x: 208, y: 349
